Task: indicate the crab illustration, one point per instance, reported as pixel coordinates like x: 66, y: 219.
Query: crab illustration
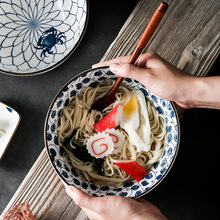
x: 48, y: 40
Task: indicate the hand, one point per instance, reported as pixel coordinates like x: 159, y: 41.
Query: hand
x: 114, y: 207
x: 158, y: 75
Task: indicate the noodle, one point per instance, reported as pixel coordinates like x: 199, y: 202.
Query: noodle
x: 78, y: 116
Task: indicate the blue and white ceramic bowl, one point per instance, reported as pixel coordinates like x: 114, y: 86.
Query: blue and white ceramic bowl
x: 130, y: 189
x: 36, y: 36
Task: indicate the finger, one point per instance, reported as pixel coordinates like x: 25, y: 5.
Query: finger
x: 129, y: 71
x: 82, y: 199
x: 141, y: 61
x: 123, y: 59
x: 146, y: 203
x: 182, y: 105
x: 91, y: 214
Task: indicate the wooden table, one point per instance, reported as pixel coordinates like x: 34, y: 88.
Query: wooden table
x: 188, y: 37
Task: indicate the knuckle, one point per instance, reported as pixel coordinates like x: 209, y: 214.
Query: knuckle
x: 152, y: 55
x: 128, y: 69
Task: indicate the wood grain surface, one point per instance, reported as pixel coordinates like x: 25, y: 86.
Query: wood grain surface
x: 188, y: 37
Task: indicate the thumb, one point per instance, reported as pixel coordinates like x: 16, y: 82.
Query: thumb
x: 128, y: 70
x: 82, y: 199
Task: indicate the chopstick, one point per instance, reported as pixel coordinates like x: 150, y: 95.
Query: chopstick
x: 145, y: 38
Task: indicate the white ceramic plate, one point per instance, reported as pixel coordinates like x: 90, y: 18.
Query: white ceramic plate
x: 9, y: 121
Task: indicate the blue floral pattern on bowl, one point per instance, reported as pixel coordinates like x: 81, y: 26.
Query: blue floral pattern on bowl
x: 37, y: 36
x: 130, y: 189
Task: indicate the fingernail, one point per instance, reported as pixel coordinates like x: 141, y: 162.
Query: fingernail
x: 114, y: 67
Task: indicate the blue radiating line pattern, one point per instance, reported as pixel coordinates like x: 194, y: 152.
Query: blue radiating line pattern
x: 27, y: 26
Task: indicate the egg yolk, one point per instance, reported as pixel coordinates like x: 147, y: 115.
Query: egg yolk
x: 131, y: 106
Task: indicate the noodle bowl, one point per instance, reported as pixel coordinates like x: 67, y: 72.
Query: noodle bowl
x: 69, y: 113
x: 77, y: 115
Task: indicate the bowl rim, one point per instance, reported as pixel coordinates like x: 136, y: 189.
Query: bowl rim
x: 60, y: 61
x: 47, y: 147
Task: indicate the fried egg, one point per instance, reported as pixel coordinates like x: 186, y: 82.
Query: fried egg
x: 135, y: 121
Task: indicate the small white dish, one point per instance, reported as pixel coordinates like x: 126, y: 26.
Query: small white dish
x: 9, y: 121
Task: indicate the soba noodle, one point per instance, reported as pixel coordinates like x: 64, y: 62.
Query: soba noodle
x: 78, y: 117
